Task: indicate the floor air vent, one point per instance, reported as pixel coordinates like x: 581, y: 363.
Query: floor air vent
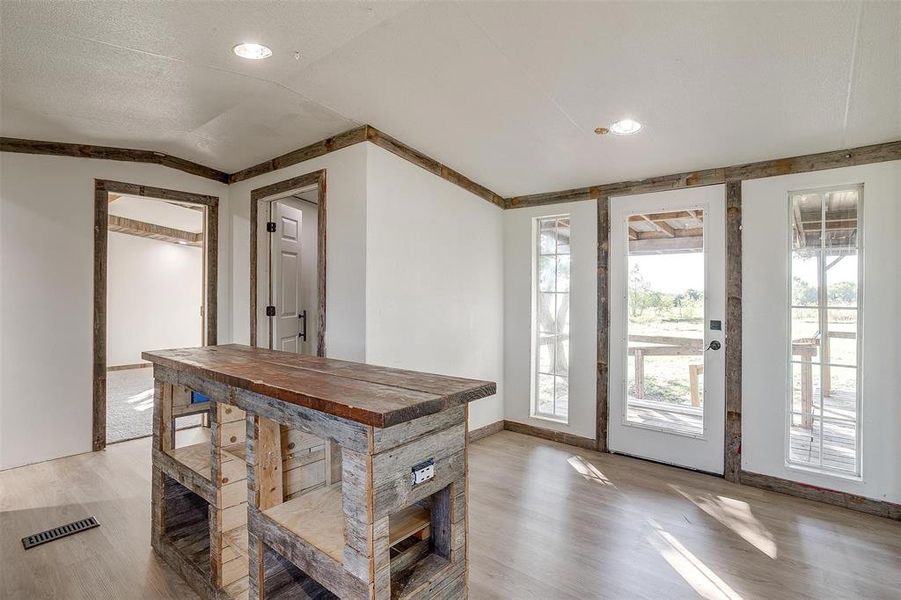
x: 59, y: 532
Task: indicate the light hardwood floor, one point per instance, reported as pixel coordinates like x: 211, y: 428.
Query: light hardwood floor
x: 547, y: 521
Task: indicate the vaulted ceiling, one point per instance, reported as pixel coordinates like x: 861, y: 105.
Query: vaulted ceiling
x: 507, y: 93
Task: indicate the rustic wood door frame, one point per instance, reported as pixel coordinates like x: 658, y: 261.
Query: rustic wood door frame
x: 102, y: 190
x: 317, y: 178
x: 732, y: 443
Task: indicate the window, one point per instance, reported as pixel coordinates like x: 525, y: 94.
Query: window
x: 550, y: 318
x: 824, y: 400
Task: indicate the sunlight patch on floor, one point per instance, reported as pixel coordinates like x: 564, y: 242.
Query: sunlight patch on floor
x: 142, y: 401
x: 737, y: 516
x: 689, y: 567
x: 588, y: 470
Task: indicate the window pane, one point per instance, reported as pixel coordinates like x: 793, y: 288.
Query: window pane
x: 545, y: 353
x: 840, y: 392
x: 805, y: 332
x: 841, y: 278
x: 840, y: 446
x: 561, y: 402
x: 546, y: 394
x: 563, y: 273
x: 805, y: 277
x: 547, y: 273
x: 804, y: 443
x: 841, y: 332
x: 563, y: 236
x: 562, y: 319
x: 841, y: 208
x: 805, y: 390
x: 547, y: 236
x: 561, y: 365
x: 547, y: 321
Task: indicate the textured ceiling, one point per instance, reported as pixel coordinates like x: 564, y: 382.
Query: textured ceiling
x: 508, y: 94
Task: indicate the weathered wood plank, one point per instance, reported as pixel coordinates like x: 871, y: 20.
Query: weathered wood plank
x: 431, y: 165
x: 110, y: 153
x: 603, y: 323
x: 768, y: 168
x: 561, y: 437
x: 101, y: 208
x: 878, y: 508
x: 347, y: 395
x: 732, y: 449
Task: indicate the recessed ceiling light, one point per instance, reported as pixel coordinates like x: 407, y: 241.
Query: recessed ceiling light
x: 625, y: 127
x: 252, y: 51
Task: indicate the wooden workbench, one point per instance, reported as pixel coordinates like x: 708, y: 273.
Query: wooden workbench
x: 305, y: 488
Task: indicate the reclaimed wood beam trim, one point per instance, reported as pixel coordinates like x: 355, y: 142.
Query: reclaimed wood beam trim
x: 315, y: 150
x: 318, y: 178
x: 879, y: 508
x: 768, y: 168
x: 154, y: 231
x: 862, y: 155
x: 102, y: 189
x: 24, y: 146
x: 732, y: 445
x: 603, y: 325
x: 431, y: 165
x: 561, y: 437
x: 101, y: 218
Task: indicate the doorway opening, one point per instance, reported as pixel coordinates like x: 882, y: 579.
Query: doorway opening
x: 288, y: 265
x: 667, y: 330
x: 154, y: 287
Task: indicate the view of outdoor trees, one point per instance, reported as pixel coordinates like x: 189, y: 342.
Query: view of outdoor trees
x: 666, y: 300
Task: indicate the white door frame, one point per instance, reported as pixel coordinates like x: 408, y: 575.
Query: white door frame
x: 704, y: 452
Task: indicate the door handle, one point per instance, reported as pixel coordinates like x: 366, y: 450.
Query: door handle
x: 303, y: 321
x: 714, y: 345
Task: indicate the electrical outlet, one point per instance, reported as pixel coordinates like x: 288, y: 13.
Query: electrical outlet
x: 422, y: 472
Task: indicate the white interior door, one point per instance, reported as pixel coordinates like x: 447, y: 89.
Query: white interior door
x: 292, y: 272
x: 667, y: 328
x: 287, y: 326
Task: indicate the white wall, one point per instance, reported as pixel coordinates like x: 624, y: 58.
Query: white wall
x: 154, y: 293
x: 345, y: 250
x: 766, y: 327
x: 583, y: 316
x: 434, y: 278
x: 46, y: 295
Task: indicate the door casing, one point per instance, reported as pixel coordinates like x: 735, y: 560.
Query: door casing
x: 102, y: 190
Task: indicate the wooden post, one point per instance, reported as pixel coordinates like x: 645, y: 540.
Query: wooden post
x: 603, y: 324
x: 732, y: 445
x: 638, y: 355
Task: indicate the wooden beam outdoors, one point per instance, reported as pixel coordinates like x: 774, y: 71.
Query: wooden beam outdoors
x: 768, y: 168
x: 154, y: 231
x: 661, y: 226
x: 110, y: 153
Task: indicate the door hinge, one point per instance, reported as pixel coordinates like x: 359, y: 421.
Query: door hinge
x: 270, y: 311
x: 270, y: 226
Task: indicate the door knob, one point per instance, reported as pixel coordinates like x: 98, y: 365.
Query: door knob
x: 714, y: 345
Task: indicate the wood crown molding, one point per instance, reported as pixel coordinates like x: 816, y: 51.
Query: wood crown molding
x: 23, y: 146
x: 768, y: 168
x: 861, y: 155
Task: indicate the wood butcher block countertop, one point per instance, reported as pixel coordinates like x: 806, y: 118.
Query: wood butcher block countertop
x: 376, y: 396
